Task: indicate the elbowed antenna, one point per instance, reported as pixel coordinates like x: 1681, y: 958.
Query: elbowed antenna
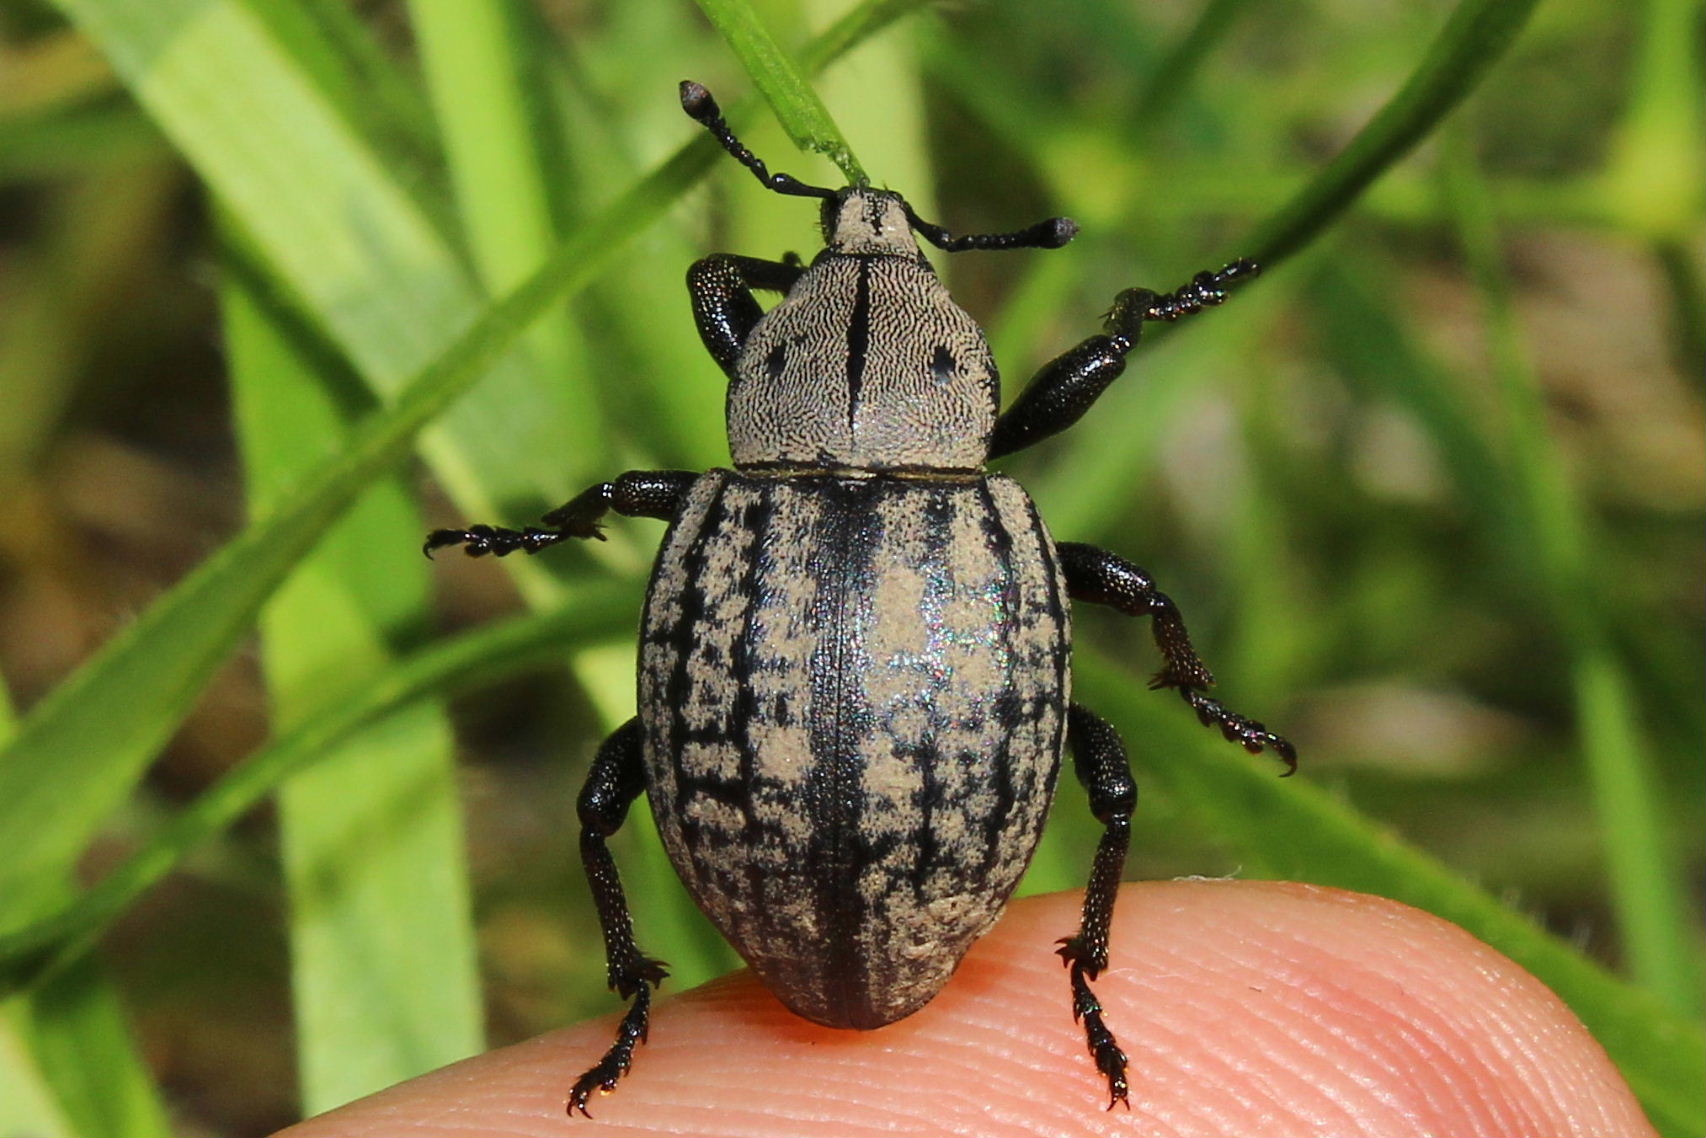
x: 1050, y: 234
x: 703, y: 109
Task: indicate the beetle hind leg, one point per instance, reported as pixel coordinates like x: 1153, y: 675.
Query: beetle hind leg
x: 614, y: 781
x: 1099, y: 760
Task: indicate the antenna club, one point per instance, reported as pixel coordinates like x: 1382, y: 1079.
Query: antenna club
x: 1057, y: 231
x: 696, y: 100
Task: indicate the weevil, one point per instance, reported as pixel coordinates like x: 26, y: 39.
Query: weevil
x: 854, y: 688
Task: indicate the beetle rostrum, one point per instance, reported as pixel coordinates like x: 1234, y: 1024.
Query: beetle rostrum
x: 854, y: 687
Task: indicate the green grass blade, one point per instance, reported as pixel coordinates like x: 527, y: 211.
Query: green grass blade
x: 1173, y: 74
x: 382, y: 951
x: 29, y: 1105
x: 80, y: 749
x: 1653, y: 181
x: 80, y: 1036
x: 488, y: 115
x: 857, y: 25
x: 797, y: 105
x: 384, y: 983
x: 241, y: 92
x: 1474, y: 37
x: 1290, y: 829
x: 1648, y: 886
x: 375, y: 88
x: 483, y: 656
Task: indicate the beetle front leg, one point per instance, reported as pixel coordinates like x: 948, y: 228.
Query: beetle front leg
x: 723, y: 305
x: 1099, y: 760
x: 1064, y: 388
x: 636, y: 494
x: 1097, y: 576
x: 616, y: 778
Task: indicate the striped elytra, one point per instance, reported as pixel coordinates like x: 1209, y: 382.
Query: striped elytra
x: 852, y: 695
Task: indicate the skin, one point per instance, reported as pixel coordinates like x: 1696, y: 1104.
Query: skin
x: 1247, y: 1008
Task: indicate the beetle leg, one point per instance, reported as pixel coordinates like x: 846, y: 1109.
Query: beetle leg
x: 636, y: 494
x: 723, y: 305
x: 614, y: 781
x: 1097, y: 576
x: 1064, y: 388
x: 1099, y: 759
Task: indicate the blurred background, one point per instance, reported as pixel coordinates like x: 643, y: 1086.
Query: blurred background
x: 1430, y: 494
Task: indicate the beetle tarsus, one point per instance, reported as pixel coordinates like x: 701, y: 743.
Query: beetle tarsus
x: 1099, y: 761
x: 1133, y: 307
x: 478, y: 541
x: 1250, y: 734
x: 630, y: 1033
x: 1109, y: 1057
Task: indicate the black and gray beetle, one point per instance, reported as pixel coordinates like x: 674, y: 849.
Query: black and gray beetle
x: 853, y: 676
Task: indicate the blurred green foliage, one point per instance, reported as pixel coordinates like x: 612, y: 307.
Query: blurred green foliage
x: 1430, y: 494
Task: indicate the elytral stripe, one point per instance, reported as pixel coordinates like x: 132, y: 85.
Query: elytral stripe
x: 848, y: 538
x: 858, y: 338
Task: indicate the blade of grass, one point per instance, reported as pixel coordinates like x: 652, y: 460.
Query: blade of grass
x: 1172, y: 76
x: 378, y: 87
x: 242, y: 98
x: 881, y: 101
x: 1647, y: 884
x: 80, y: 1035
x: 382, y: 953
x: 484, y: 656
x: 29, y: 1105
x: 470, y: 58
x: 1475, y: 36
x: 1287, y: 828
x: 796, y: 104
x: 79, y: 750
x: 1653, y: 180
x: 82, y: 747
x: 70, y: 1064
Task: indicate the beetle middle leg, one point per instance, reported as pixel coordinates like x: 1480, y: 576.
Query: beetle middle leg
x: 1097, y: 576
x: 1064, y: 388
x: 616, y: 778
x: 1099, y: 760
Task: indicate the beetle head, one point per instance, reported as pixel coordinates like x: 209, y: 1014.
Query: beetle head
x: 866, y: 221
x: 859, y: 219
